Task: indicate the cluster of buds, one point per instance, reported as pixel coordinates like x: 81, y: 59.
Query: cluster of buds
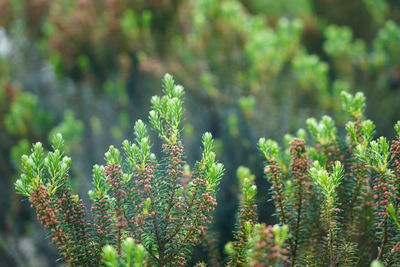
x: 377, y: 156
x: 267, y: 245
x: 395, y: 158
x: 41, y: 201
x: 270, y: 150
x: 357, y: 181
x: 299, y: 166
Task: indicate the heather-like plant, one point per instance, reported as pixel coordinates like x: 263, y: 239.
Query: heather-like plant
x: 327, y: 185
x: 22, y: 120
x: 143, y: 208
x: 254, y: 244
x: 258, y: 53
x: 338, y: 208
x: 246, y: 219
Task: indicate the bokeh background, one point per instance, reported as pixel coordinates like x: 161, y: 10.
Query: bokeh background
x: 251, y: 69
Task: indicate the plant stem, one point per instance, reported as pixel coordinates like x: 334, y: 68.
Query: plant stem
x: 384, y: 241
x: 331, y: 236
x: 297, y: 230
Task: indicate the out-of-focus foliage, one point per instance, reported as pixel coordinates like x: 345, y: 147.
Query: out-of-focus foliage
x: 24, y: 116
x: 22, y: 120
x: 223, y: 50
x: 71, y: 129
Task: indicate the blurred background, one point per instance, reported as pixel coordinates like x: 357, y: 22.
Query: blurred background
x: 251, y: 69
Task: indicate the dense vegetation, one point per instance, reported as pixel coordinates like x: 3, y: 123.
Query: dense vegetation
x: 156, y: 202
x: 87, y: 68
x: 337, y: 199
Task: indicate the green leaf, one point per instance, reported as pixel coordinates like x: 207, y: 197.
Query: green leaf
x: 110, y: 257
x: 376, y: 263
x: 397, y: 129
x: 354, y: 105
x: 269, y: 148
x: 168, y: 85
x: 324, y: 131
x: 393, y: 214
x: 113, y: 156
x: 246, y: 181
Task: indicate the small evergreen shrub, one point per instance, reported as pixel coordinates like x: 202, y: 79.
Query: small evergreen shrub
x: 254, y: 244
x: 339, y: 196
x: 145, y: 211
x: 336, y: 197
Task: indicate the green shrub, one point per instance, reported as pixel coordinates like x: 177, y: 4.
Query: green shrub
x: 336, y: 194
x: 336, y: 198
x: 152, y: 201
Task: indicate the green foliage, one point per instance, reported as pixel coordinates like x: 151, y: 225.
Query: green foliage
x: 384, y: 44
x: 267, y: 245
x: 328, y: 183
x: 324, y: 131
x: 339, y: 44
x: 354, y: 105
x: 256, y: 68
x: 344, y: 212
x: 134, y: 195
x: 133, y: 255
x: 25, y: 116
x: 378, y: 9
x: 394, y: 215
x: 246, y: 219
x: 269, y: 148
x: 246, y: 182
x: 397, y: 129
x: 376, y: 155
x: 360, y: 133
x: 311, y: 73
x: 254, y: 244
x: 18, y: 150
x: 376, y: 263
x: 43, y: 169
x: 71, y: 130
